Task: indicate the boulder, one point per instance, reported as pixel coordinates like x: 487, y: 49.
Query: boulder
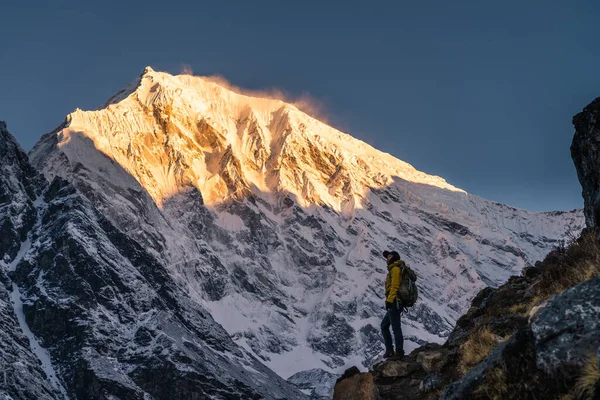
x: 567, y: 330
x: 398, y: 369
x: 355, y: 386
x: 430, y: 361
x: 431, y: 383
x: 531, y: 271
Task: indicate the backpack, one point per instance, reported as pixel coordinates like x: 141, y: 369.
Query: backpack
x: 408, y: 292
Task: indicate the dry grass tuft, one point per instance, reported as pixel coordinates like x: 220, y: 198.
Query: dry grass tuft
x: 537, y: 300
x: 568, y: 266
x: 566, y: 397
x: 494, y: 386
x: 590, y: 374
x: 479, y: 346
x: 519, y: 309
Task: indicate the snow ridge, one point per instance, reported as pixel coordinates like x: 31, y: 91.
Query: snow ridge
x: 15, y: 295
x: 41, y: 353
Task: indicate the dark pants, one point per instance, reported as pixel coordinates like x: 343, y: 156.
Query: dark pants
x: 392, y: 317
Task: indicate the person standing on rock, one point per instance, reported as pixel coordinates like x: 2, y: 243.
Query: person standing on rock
x: 392, y: 306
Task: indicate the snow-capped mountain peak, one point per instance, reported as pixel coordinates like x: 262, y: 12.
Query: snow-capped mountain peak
x: 275, y: 222
x: 192, y: 131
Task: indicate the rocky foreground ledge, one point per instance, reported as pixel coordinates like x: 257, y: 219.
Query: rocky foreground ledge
x: 510, y: 344
x: 415, y: 377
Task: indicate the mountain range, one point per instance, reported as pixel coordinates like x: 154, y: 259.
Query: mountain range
x: 185, y: 239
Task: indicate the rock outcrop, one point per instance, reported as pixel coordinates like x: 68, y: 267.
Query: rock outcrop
x: 585, y: 150
x: 567, y: 330
x: 415, y: 376
x: 354, y: 385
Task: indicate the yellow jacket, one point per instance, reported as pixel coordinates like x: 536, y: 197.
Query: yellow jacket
x: 392, y: 280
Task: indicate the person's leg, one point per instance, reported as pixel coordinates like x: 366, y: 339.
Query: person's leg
x: 385, y: 331
x: 394, y: 317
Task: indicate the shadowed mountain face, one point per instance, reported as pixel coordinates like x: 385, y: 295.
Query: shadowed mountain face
x: 89, y: 313
x: 23, y: 375
x: 274, y: 222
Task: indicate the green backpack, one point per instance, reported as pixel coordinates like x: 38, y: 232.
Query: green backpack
x: 408, y: 292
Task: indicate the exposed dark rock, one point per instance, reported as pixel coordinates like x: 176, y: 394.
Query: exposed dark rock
x: 431, y: 361
x: 336, y: 328
x: 23, y: 376
x: 371, y: 335
x: 350, y: 372
x: 567, y: 330
x: 19, y: 187
x: 430, y: 383
x: 422, y: 313
x: 585, y: 151
x: 506, y: 325
x: 531, y: 272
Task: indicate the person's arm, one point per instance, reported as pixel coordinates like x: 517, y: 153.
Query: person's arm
x: 395, y: 286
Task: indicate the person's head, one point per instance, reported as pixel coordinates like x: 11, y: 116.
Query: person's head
x: 391, y: 256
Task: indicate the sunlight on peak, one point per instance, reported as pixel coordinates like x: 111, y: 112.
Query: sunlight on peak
x: 172, y: 132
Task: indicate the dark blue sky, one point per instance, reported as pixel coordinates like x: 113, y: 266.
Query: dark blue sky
x: 479, y: 92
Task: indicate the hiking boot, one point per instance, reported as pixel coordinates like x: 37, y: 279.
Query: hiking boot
x: 397, y: 356
x: 388, y: 354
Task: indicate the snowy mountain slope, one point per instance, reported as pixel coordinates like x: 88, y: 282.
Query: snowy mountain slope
x: 103, y: 317
x: 275, y: 222
x: 23, y: 373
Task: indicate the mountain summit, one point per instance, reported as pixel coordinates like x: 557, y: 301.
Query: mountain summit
x: 275, y: 222
x: 174, y: 132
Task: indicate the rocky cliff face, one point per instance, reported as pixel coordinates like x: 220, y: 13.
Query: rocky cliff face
x: 88, y: 313
x: 274, y: 222
x: 25, y: 367
x: 585, y: 151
